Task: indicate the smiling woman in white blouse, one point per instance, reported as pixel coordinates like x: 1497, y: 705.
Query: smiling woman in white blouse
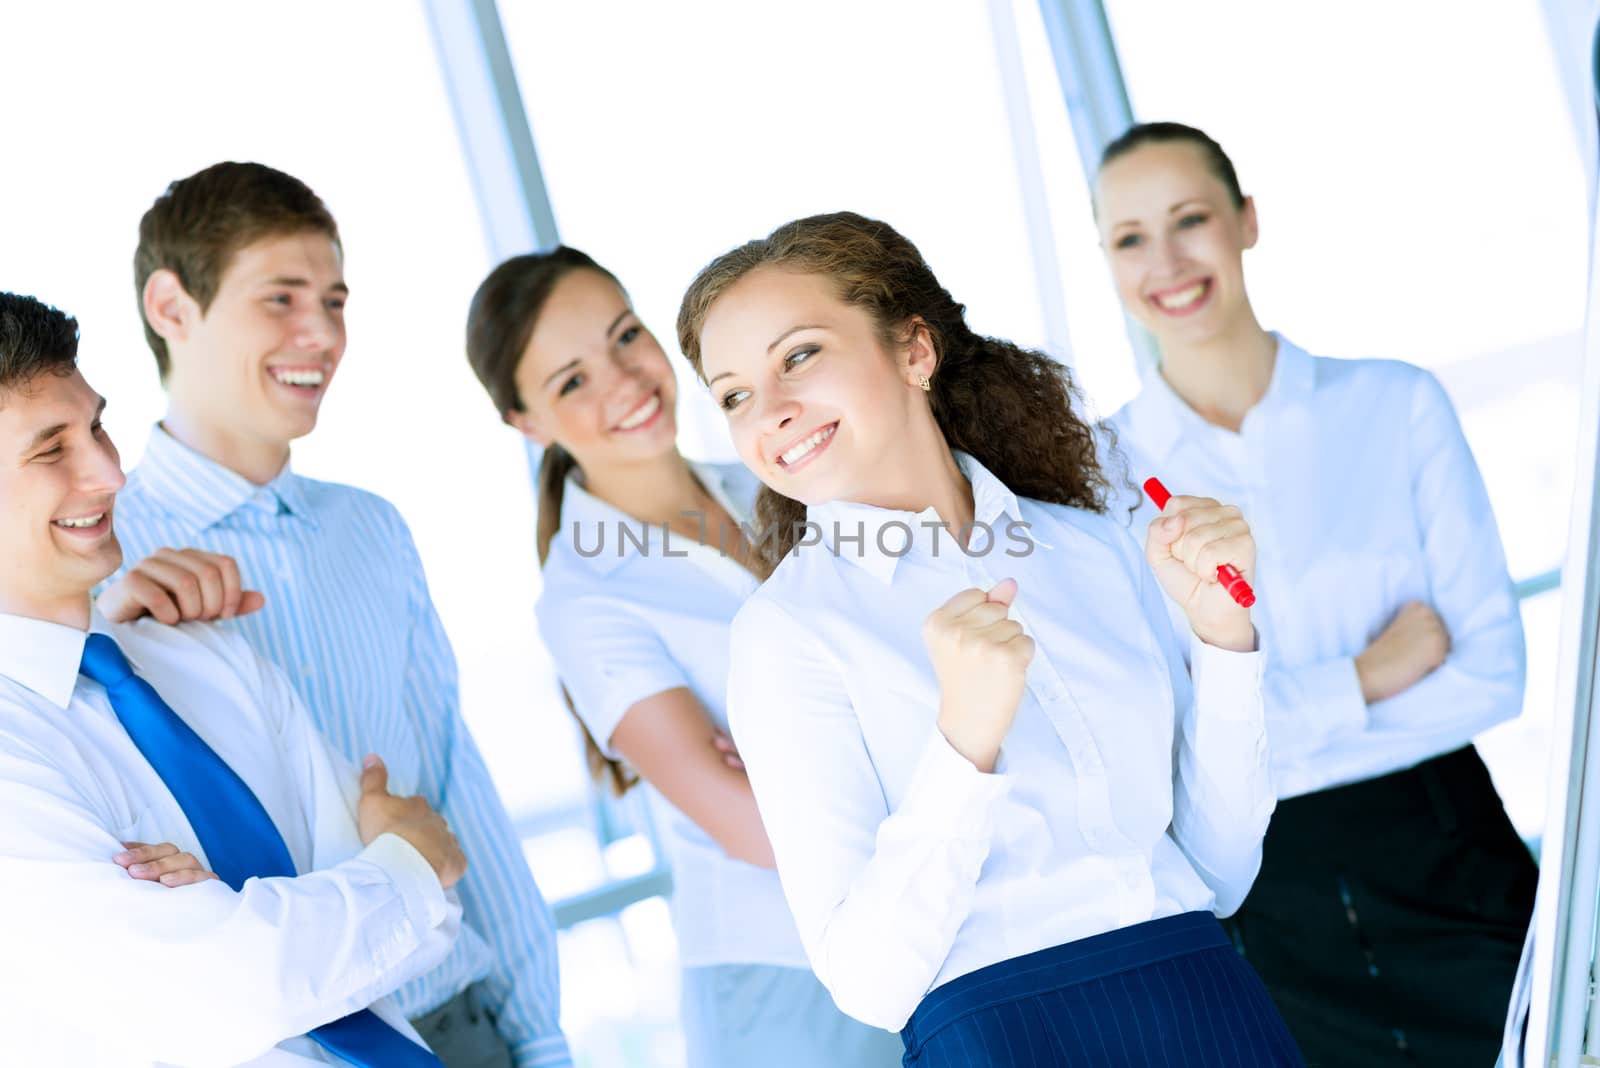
x: 1394, y: 893
x: 1003, y: 812
x: 643, y: 566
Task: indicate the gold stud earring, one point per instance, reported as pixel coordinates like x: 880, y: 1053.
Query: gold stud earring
x: 922, y: 380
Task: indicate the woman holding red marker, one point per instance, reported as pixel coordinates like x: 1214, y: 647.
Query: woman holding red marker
x: 1004, y: 816
x: 1394, y: 894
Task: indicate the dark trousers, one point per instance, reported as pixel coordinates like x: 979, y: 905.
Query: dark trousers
x: 462, y: 1034
x: 1170, y: 993
x: 1389, y: 917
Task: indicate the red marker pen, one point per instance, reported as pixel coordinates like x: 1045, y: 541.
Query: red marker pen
x: 1230, y: 578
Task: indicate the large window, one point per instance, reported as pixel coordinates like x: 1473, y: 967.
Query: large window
x: 1414, y: 165
x: 670, y: 133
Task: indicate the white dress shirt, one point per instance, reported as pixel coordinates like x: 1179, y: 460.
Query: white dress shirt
x: 351, y: 622
x: 1362, y: 495
x: 630, y: 615
x: 1121, y: 794
x: 105, y: 970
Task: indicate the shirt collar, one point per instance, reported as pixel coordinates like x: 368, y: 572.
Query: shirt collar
x: 880, y: 550
x: 290, y: 489
x: 44, y: 656
x: 1159, y: 419
x: 585, y: 516
x: 1293, y: 375
x: 199, y: 492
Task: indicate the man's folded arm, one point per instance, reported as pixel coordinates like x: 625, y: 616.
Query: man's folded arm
x: 197, y: 975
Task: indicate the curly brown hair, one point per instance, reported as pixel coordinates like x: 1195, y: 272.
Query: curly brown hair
x: 1014, y: 409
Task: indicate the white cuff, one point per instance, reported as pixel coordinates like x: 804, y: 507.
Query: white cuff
x: 414, y: 877
x: 1337, y: 687
x: 1227, y: 685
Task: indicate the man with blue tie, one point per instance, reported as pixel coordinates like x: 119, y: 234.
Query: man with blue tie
x: 240, y: 276
x: 329, y: 894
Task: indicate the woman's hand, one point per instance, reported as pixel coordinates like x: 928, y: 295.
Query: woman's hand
x: 164, y: 863
x: 980, y: 656
x: 1414, y: 643
x: 1187, y: 542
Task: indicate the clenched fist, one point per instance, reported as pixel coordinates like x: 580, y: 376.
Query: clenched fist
x: 180, y: 585
x: 1413, y: 644
x: 980, y: 656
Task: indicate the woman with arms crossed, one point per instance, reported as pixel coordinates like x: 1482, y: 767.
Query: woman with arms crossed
x: 1003, y: 815
x: 1394, y: 893
x: 641, y: 555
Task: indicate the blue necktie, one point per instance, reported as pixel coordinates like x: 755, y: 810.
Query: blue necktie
x: 234, y: 829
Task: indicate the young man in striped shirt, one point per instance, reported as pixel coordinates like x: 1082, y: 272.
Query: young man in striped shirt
x: 240, y: 278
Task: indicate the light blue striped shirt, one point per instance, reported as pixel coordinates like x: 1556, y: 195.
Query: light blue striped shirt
x: 349, y: 619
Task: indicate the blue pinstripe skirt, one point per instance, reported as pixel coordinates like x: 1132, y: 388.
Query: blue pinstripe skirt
x: 1170, y: 993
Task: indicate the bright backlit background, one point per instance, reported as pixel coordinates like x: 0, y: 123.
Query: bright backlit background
x: 1412, y: 207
